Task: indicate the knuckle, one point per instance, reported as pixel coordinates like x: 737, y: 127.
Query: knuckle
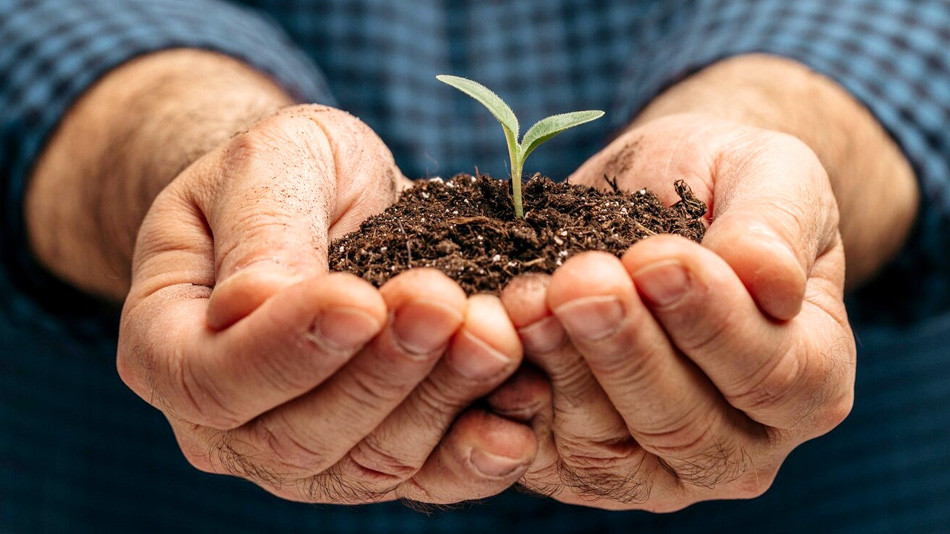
x: 439, y: 398
x: 837, y: 381
x: 198, y: 460
x: 196, y: 452
x: 282, y: 447
x: 709, y: 334
x: 755, y: 483
x: 370, y: 391
x: 834, y: 413
x: 417, y: 496
x: 613, y: 472
x: 196, y: 400
x: 775, y: 386
x: 571, y: 377
x: 225, y: 458
x: 712, y: 467
x: 623, y: 355
x: 127, y: 358
x: 371, y: 462
x: 682, y: 437
x: 332, y: 486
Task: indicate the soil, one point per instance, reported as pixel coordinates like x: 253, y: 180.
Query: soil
x: 466, y: 228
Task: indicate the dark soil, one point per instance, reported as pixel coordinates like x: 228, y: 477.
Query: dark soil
x: 466, y: 228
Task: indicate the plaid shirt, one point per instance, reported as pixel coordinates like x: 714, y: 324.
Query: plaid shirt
x: 79, y: 452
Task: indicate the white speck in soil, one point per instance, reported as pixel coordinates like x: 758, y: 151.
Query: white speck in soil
x: 496, y: 257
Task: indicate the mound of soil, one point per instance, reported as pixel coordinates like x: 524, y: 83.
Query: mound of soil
x: 466, y: 228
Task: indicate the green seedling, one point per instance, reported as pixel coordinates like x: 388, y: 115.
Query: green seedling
x: 542, y: 130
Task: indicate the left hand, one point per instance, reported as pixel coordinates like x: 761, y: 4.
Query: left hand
x: 686, y: 372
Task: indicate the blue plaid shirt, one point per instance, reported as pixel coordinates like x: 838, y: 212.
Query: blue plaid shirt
x: 78, y: 451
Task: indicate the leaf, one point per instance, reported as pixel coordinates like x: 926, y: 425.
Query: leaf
x: 547, y: 128
x: 487, y: 98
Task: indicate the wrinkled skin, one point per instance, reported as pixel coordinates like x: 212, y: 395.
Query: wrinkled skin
x: 314, y: 385
x: 685, y: 372
x: 646, y: 397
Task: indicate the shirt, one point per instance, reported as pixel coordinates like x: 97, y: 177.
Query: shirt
x: 78, y: 451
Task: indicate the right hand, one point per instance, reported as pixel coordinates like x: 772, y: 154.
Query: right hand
x: 314, y: 385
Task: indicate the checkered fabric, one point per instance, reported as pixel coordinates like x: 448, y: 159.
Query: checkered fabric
x: 78, y: 451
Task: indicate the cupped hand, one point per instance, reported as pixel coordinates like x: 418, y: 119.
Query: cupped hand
x: 686, y: 372
x: 314, y: 385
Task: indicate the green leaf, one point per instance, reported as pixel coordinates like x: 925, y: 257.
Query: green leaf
x: 547, y: 128
x: 487, y: 98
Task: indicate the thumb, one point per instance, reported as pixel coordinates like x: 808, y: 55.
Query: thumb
x: 275, y: 192
x: 774, y: 214
x: 772, y: 209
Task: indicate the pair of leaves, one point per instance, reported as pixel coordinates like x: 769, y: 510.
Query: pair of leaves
x: 536, y: 135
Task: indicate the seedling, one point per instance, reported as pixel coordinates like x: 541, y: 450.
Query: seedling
x: 542, y: 130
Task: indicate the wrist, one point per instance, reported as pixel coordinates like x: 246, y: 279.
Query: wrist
x: 874, y: 185
x: 120, y: 145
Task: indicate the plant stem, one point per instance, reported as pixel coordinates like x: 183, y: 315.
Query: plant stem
x: 516, y: 168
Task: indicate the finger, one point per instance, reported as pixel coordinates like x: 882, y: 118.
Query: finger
x: 482, y: 354
x: 581, y: 410
x: 283, y: 349
x: 766, y: 369
x: 311, y: 433
x: 768, y: 194
x: 483, y: 455
x: 669, y: 407
x: 778, y: 215
x: 527, y: 397
x: 589, y: 435
x: 278, y: 190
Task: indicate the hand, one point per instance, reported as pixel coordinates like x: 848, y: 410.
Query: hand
x: 686, y: 372
x: 314, y: 385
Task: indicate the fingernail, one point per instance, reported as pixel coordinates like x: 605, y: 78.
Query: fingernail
x: 662, y: 283
x: 492, y: 465
x: 473, y: 358
x: 424, y: 326
x: 543, y: 336
x: 591, y: 318
x: 344, y: 329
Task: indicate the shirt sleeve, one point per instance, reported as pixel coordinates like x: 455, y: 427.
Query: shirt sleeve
x: 53, y: 50
x: 893, y: 55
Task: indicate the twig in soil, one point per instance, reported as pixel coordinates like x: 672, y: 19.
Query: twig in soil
x: 644, y: 229
x: 408, y: 248
x: 613, y: 184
